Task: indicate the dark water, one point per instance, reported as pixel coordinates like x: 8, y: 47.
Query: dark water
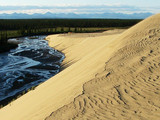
x: 28, y: 65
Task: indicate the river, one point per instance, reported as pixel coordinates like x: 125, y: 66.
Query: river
x: 31, y: 63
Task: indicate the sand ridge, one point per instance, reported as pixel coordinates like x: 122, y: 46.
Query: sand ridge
x: 128, y: 88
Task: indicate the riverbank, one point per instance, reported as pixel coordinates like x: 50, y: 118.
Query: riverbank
x: 47, y: 96
x: 7, y: 47
x: 76, y: 46
x: 24, y: 68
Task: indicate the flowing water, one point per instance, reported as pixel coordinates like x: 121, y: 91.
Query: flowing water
x: 28, y: 65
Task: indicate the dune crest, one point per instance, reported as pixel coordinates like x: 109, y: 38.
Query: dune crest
x: 128, y: 88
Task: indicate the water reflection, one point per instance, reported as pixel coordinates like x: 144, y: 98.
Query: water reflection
x: 28, y: 65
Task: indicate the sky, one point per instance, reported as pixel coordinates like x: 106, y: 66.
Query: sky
x: 79, y: 6
x: 81, y: 2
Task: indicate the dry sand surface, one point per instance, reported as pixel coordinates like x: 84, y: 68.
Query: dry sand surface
x: 113, y: 75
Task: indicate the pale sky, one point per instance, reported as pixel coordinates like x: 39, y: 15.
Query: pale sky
x: 82, y: 2
x: 79, y: 6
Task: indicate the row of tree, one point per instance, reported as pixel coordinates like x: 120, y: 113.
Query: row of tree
x: 24, y: 27
x: 52, y: 23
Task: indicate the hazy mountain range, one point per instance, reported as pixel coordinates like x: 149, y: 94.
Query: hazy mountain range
x: 74, y: 16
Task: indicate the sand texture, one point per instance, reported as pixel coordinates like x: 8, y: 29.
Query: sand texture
x: 113, y: 75
x: 128, y: 88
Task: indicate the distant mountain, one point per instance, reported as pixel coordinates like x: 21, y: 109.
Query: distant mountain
x: 74, y: 16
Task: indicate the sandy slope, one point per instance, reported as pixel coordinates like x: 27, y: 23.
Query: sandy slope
x: 108, y: 76
x: 79, y: 49
x: 128, y: 88
x: 79, y: 45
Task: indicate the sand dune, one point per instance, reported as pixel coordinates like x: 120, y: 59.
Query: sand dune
x: 79, y: 49
x: 108, y: 76
x: 128, y: 87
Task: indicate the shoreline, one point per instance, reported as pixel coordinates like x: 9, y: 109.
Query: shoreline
x: 7, y: 47
x: 29, y: 80
x: 79, y: 63
x: 62, y: 42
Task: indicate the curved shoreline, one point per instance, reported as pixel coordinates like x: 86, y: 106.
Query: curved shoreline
x: 67, y: 43
x: 34, y: 62
x: 47, y: 97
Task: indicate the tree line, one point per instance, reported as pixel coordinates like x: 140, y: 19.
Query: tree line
x: 10, y: 24
x: 25, y: 27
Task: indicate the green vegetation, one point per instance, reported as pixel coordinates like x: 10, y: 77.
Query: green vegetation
x: 27, y: 27
x: 4, y: 46
x: 36, y: 24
